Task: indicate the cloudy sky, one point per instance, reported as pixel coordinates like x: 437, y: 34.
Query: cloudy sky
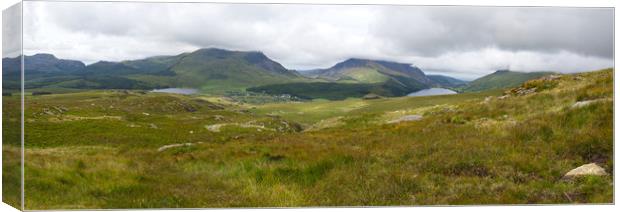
x: 460, y: 41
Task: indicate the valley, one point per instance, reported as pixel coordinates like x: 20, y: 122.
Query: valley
x: 131, y: 148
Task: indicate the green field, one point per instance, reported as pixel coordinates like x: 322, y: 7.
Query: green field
x: 108, y: 149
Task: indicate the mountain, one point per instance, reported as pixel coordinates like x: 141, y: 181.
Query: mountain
x: 157, y: 65
x: 371, y: 71
x: 445, y: 81
x: 40, y: 69
x: 211, y: 69
x: 218, y: 69
x: 501, y: 79
x: 111, y: 68
x: 42, y: 63
x: 355, y: 78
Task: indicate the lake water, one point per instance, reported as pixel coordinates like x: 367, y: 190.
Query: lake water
x: 185, y: 91
x: 432, y: 92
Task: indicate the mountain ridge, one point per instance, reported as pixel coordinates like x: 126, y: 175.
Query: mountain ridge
x: 501, y: 79
x: 221, y: 70
x: 218, y: 69
x: 346, y: 70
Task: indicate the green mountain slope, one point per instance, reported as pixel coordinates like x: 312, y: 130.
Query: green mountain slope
x: 355, y: 78
x: 211, y: 70
x: 501, y: 79
x: 371, y: 71
x: 215, y: 70
x: 445, y: 81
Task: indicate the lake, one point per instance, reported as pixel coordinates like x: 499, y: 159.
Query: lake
x: 185, y: 91
x: 432, y: 92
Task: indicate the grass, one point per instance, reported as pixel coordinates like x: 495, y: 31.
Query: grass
x: 467, y: 149
x: 312, y: 112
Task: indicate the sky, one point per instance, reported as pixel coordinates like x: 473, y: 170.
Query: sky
x: 460, y: 41
x: 11, y: 31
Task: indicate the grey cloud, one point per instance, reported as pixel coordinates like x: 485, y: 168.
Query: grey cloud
x: 471, y: 40
x: 11, y: 31
x: 435, y: 30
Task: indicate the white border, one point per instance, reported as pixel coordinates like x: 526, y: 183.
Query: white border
x: 569, y: 3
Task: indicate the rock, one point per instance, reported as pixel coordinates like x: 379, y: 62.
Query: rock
x: 214, y: 127
x: 161, y: 149
x: 406, y: 118
x: 218, y: 117
x: 588, y: 169
x: 551, y: 77
x: 146, y: 114
x: 581, y: 104
x: 60, y: 109
x: 520, y: 91
x: 371, y: 96
x: 503, y: 97
x: 250, y: 124
x: 48, y: 112
x: 151, y: 125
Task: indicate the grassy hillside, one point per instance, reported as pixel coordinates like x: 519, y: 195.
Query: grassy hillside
x: 341, y: 90
x: 309, y: 113
x: 111, y: 149
x: 365, y: 71
x: 365, y: 75
x: 501, y: 79
x: 215, y: 70
x: 211, y: 70
x: 446, y: 82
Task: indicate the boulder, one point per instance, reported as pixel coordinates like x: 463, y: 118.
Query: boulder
x: 406, y: 118
x: 588, y: 169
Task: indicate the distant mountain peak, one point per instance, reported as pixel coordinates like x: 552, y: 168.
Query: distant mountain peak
x: 213, y: 52
x: 44, y: 56
x: 42, y: 63
x: 104, y: 62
